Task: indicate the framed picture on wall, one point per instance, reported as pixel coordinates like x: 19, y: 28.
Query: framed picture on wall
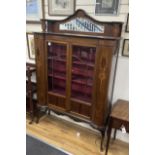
x: 30, y: 45
x: 33, y: 10
x: 106, y: 7
x: 61, y: 7
x: 127, y: 24
x: 125, y: 51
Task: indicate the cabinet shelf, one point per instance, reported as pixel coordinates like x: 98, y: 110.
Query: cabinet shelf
x: 57, y: 59
x: 59, y: 69
x: 82, y: 89
x: 57, y: 76
x: 83, y: 64
x: 82, y: 72
x: 58, y: 93
x: 81, y: 101
x: 86, y: 63
x: 83, y: 82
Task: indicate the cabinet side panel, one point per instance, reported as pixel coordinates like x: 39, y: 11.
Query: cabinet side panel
x: 104, y: 61
x: 40, y: 67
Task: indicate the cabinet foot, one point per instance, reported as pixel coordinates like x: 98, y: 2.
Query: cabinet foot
x: 102, y: 139
x: 49, y: 111
x: 32, y: 117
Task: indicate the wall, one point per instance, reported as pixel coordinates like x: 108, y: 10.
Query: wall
x: 121, y: 87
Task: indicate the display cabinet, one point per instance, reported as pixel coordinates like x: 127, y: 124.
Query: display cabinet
x: 73, y: 60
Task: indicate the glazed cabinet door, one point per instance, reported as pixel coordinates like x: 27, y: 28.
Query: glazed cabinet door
x: 82, y: 79
x: 57, y: 53
x: 40, y: 69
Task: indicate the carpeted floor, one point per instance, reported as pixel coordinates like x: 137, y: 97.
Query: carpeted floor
x: 35, y: 146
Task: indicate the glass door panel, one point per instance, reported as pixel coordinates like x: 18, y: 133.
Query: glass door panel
x: 56, y: 67
x: 83, y: 64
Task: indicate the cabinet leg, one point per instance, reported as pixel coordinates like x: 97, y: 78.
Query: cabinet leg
x: 32, y: 117
x: 38, y: 112
x: 37, y: 120
x: 102, y: 139
x: 49, y: 111
x: 41, y: 112
x: 108, y: 139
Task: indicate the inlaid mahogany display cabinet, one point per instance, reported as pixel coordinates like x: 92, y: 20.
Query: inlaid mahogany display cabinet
x: 73, y: 61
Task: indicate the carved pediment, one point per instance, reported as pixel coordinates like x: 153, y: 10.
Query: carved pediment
x: 82, y: 24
